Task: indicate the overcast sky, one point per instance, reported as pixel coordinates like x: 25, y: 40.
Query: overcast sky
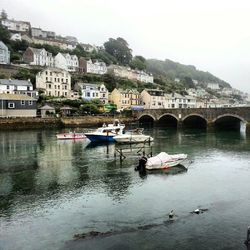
x: 212, y: 35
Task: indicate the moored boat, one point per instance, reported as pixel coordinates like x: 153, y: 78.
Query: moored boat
x: 106, y: 133
x: 133, y: 136
x: 71, y: 136
x: 161, y: 161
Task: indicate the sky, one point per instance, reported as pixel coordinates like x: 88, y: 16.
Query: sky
x: 212, y: 35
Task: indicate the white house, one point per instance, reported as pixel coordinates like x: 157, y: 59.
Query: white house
x: 176, y: 100
x: 16, y: 37
x: 144, y: 77
x: 91, y: 91
x: 153, y: 99
x: 17, y: 26
x: 92, y: 67
x: 54, y: 82
x: 4, y: 54
x: 66, y: 62
x: 13, y: 86
x: 40, y: 57
x: 213, y: 86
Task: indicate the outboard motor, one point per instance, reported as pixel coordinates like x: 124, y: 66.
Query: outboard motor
x: 142, y: 164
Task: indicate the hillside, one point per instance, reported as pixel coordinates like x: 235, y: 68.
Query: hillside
x: 171, y: 70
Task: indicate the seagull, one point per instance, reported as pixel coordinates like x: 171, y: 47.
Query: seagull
x: 171, y: 214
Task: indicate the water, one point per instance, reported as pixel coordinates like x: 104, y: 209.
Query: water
x: 52, y: 190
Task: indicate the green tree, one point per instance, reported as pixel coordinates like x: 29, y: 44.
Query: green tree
x: 4, y: 34
x: 119, y: 49
x: 3, y: 15
x: 138, y: 62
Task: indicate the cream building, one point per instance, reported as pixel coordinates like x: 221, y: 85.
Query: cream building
x: 153, y: 99
x: 54, y: 82
x: 176, y: 100
x: 124, y: 99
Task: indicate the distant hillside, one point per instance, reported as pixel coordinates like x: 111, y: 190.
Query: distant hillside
x: 171, y: 70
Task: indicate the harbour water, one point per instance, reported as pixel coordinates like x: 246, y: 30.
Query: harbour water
x: 51, y: 191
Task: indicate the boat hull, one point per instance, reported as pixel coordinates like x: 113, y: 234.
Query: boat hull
x: 100, y: 138
x: 133, y: 139
x: 71, y: 136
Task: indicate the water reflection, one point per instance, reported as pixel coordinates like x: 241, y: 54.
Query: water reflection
x: 74, y: 182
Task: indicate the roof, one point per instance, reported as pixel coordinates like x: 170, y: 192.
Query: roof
x: 2, y: 45
x: 35, y: 50
x: 16, y: 97
x: 155, y: 92
x: 47, y: 107
x: 15, y: 82
x: 65, y: 108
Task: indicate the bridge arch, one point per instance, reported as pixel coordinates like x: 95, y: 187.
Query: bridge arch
x: 228, y: 122
x: 168, y: 120
x: 194, y: 120
x: 146, y: 119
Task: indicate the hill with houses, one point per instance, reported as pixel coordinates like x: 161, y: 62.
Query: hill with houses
x: 62, y: 67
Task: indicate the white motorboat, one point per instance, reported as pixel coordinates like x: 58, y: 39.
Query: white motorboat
x: 71, y: 136
x: 106, y: 133
x: 164, y: 161
x: 133, y: 136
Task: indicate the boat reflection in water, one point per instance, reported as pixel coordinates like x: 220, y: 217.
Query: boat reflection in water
x: 178, y: 169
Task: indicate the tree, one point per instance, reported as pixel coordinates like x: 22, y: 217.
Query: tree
x: 3, y: 15
x: 119, y: 49
x: 138, y: 62
x: 4, y: 34
x: 188, y: 82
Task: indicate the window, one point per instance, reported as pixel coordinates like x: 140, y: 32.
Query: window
x: 96, y: 94
x: 30, y: 103
x: 55, y: 79
x: 46, y: 78
x: 55, y: 86
x: 11, y: 105
x: 65, y: 87
x: 66, y: 80
x: 49, y: 86
x: 50, y: 73
x: 8, y: 87
x: 58, y: 86
x: 103, y: 95
x: 88, y: 94
x: 61, y: 79
x: 22, y: 102
x: 46, y: 72
x: 93, y: 94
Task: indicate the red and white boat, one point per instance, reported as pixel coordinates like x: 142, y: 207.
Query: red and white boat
x: 71, y: 136
x: 164, y: 161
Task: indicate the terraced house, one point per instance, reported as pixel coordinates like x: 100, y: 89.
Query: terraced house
x: 124, y: 99
x: 39, y: 57
x: 54, y: 82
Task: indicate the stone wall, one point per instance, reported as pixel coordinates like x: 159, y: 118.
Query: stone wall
x: 38, y: 123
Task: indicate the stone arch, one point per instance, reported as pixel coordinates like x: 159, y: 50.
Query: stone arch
x: 194, y: 120
x: 229, y: 115
x: 146, y: 120
x: 228, y: 122
x: 146, y: 114
x: 168, y: 114
x: 167, y: 120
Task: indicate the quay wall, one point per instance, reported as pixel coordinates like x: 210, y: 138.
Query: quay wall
x: 22, y: 123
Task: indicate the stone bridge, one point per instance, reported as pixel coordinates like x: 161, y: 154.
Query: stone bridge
x: 210, y: 118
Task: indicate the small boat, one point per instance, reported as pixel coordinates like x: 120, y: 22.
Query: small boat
x: 71, y: 136
x: 133, y: 136
x: 161, y: 161
x: 106, y: 133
